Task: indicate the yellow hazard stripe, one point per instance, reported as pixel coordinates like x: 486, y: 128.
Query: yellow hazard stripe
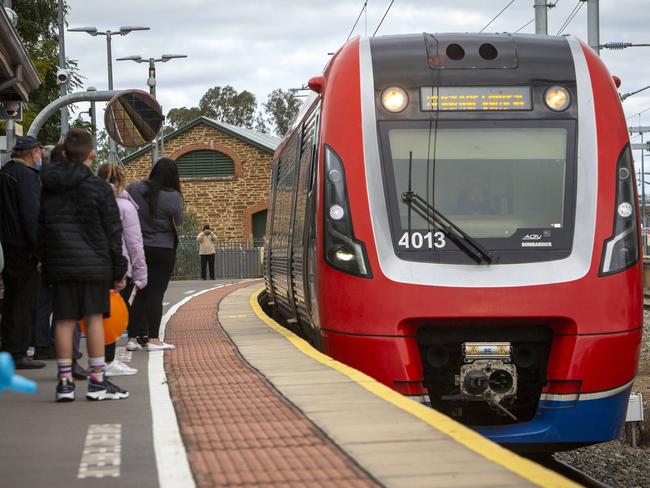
x: 463, y: 435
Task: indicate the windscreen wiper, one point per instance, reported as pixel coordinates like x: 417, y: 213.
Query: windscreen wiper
x: 459, y: 237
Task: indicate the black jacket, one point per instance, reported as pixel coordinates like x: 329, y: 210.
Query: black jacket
x: 20, y: 192
x: 79, y: 233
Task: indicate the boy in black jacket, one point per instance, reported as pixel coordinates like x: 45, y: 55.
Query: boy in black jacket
x: 80, y: 246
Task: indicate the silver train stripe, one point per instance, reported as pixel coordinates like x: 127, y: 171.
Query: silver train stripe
x: 572, y: 397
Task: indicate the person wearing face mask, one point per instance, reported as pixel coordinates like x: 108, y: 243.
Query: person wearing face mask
x: 20, y: 193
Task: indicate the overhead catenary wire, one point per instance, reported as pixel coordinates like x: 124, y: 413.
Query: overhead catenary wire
x: 365, y: 5
x: 525, y: 25
x: 497, y: 15
x: 638, y: 113
x: 533, y: 19
x: 571, y: 16
x: 382, y: 19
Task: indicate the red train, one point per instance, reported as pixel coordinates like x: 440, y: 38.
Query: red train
x: 456, y: 216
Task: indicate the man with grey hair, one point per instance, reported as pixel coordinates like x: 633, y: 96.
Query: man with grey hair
x: 20, y: 191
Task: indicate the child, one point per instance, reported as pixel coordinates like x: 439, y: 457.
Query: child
x: 80, y: 247
x: 131, y: 249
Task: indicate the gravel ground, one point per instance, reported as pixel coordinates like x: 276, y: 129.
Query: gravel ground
x: 616, y: 463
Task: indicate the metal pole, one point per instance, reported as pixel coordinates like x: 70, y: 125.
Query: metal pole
x: 541, y: 20
x: 151, y: 81
x: 10, y: 133
x: 593, y: 25
x: 63, y: 87
x: 109, y: 56
x: 643, y: 217
x: 162, y: 137
x: 53, y: 107
x: 93, y: 115
x: 112, y: 147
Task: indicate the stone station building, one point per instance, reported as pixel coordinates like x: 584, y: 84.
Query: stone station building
x: 224, y: 172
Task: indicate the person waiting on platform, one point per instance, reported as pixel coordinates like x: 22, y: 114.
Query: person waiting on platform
x: 20, y: 191
x: 80, y: 248
x: 160, y: 209
x: 132, y: 250
x: 207, y: 248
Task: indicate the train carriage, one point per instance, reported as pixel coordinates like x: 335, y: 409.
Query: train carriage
x: 456, y: 216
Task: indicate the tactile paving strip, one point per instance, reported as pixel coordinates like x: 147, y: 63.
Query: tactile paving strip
x: 237, y: 429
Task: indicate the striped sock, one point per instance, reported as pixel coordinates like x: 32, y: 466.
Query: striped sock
x: 65, y: 368
x: 96, y: 367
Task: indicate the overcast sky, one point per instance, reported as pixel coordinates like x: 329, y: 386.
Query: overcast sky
x: 260, y: 45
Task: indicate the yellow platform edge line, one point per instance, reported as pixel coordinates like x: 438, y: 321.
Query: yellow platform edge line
x: 523, y: 467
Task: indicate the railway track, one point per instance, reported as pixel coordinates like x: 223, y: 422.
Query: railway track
x: 569, y: 471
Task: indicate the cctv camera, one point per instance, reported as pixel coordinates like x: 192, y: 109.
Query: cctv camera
x: 12, y: 108
x: 13, y: 16
x: 62, y: 76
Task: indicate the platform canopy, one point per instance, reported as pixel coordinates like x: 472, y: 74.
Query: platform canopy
x: 18, y: 76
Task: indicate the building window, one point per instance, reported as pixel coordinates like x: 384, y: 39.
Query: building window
x: 205, y: 164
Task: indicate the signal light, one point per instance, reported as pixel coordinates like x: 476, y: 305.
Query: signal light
x: 557, y: 98
x: 394, y: 99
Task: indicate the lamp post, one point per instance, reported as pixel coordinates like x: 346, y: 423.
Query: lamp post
x: 124, y: 30
x: 151, y: 82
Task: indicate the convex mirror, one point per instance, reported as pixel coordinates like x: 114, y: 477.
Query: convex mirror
x: 133, y: 118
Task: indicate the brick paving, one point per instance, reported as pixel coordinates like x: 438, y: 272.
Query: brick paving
x: 237, y: 429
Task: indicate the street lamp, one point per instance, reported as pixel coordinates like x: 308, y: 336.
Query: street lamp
x: 151, y: 82
x: 124, y: 30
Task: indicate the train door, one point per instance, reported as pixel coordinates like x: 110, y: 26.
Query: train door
x: 310, y: 237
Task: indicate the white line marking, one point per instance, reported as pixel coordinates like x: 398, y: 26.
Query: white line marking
x: 122, y: 355
x: 102, y: 452
x: 188, y: 292
x: 165, y: 304
x: 171, y: 458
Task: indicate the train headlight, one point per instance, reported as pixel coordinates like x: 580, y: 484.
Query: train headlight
x: 621, y: 250
x: 394, y: 99
x: 557, y: 98
x: 344, y: 256
x: 342, y: 250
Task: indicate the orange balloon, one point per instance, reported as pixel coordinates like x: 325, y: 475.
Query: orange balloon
x: 115, y: 325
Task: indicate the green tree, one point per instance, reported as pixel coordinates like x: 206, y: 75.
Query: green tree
x: 37, y: 26
x: 281, y: 107
x: 227, y: 105
x: 179, y: 117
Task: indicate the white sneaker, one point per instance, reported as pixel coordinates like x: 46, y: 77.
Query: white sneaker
x: 117, y: 368
x: 159, y: 347
x: 133, y: 346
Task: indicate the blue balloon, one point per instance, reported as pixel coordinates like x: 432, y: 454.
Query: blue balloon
x: 9, y: 380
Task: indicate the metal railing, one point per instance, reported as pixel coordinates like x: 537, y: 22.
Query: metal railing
x: 234, y: 259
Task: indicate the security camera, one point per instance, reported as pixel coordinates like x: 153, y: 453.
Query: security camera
x: 13, y: 16
x: 62, y: 76
x: 12, y: 109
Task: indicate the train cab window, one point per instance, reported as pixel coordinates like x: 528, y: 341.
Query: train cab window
x: 508, y: 186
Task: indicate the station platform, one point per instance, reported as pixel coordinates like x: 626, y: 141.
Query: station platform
x: 244, y: 402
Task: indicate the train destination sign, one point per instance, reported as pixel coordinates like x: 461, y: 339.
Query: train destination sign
x: 475, y: 98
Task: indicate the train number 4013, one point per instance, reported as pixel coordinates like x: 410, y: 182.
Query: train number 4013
x: 418, y: 240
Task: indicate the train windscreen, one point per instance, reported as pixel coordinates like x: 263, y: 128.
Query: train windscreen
x: 509, y: 187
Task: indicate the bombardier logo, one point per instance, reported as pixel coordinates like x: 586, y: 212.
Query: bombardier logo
x: 532, y: 237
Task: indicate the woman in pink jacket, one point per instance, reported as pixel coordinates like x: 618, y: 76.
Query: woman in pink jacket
x: 132, y: 250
